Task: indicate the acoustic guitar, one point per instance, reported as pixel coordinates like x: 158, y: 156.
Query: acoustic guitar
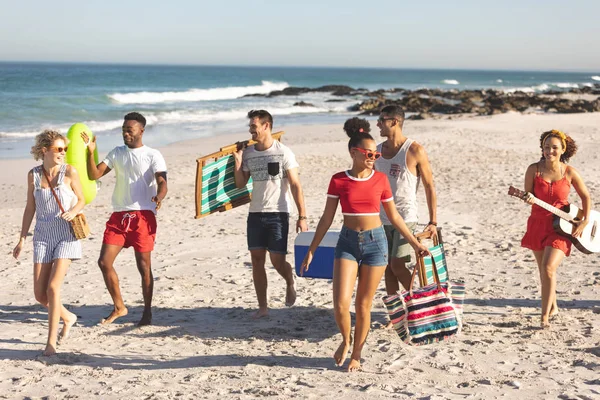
x: 589, y: 242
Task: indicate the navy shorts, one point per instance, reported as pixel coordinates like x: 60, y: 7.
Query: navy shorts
x: 268, y: 231
x: 366, y: 247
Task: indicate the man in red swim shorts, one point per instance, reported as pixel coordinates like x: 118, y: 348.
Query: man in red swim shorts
x: 141, y: 186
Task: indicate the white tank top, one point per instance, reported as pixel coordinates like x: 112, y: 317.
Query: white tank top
x: 403, y: 182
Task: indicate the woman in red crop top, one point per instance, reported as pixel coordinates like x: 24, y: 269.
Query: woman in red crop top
x: 550, y: 180
x: 362, y: 248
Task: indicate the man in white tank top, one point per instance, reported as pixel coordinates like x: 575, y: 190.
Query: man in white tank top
x: 405, y: 163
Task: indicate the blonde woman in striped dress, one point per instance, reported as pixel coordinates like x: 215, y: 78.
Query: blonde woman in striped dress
x: 54, y: 244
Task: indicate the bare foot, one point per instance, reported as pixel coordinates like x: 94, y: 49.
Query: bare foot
x: 341, y: 353
x: 66, y: 329
x: 354, y: 365
x: 553, y: 311
x: 545, y: 324
x: 49, y: 351
x: 290, y: 295
x: 261, y: 313
x: 146, y: 318
x: 113, y: 316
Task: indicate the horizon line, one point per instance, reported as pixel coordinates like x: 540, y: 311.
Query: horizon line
x: 126, y: 64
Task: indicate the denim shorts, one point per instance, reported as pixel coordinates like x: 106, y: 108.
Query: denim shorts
x: 365, y: 247
x: 268, y: 231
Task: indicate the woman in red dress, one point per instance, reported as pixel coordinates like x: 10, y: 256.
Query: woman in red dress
x: 550, y: 180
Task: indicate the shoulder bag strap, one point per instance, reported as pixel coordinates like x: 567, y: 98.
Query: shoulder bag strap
x: 62, y: 210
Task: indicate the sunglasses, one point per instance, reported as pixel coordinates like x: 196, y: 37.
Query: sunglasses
x: 381, y: 119
x: 371, y: 155
x: 59, y: 149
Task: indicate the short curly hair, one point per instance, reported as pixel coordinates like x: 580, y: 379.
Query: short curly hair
x: 358, y: 130
x: 571, y: 146
x: 45, y: 139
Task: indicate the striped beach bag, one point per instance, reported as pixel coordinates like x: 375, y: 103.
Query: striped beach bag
x: 437, y: 260
x: 428, y: 314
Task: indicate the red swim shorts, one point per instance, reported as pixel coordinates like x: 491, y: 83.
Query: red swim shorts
x: 540, y: 233
x: 135, y: 229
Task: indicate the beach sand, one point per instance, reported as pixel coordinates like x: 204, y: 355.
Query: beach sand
x: 203, y: 343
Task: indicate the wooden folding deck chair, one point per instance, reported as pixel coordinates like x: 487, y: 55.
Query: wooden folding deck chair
x: 215, y: 185
x: 424, y: 263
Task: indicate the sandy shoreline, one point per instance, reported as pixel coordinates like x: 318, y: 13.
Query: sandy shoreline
x: 204, y: 345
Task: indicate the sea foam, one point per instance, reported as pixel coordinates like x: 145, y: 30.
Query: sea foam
x: 451, y: 82
x: 219, y: 93
x: 173, y: 118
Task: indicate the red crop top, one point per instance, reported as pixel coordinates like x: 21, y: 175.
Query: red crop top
x: 360, y: 196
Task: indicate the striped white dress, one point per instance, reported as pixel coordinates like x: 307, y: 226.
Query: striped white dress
x: 53, y: 237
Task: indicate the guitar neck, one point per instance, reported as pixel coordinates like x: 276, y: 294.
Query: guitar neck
x: 552, y: 209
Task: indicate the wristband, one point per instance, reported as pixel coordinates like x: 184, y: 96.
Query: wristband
x: 301, y: 217
x: 432, y: 223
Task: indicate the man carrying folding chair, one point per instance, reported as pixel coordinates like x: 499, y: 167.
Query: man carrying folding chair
x: 405, y: 163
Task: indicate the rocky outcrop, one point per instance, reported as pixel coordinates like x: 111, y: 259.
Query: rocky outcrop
x: 426, y: 101
x: 303, y: 104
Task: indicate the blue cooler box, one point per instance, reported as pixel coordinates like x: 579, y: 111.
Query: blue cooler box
x: 322, y: 263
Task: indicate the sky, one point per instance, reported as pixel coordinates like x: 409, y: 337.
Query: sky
x: 507, y: 34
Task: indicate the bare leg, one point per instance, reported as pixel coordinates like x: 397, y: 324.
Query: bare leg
x: 41, y: 278
x: 401, y: 272
x: 550, y: 262
x: 108, y: 254
x: 284, y: 269
x: 395, y: 272
x: 259, y: 277
x: 344, y: 277
x: 391, y: 287
x: 144, y: 264
x: 391, y: 281
x: 57, y: 276
x: 539, y: 256
x: 368, y: 280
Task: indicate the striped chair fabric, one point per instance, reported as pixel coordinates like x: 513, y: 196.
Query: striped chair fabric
x: 218, y: 185
x: 440, y: 261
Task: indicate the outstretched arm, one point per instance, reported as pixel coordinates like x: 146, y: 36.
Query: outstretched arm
x: 586, y: 201
x: 426, y: 174
x: 322, y: 227
x: 76, y: 187
x: 529, y: 177
x: 94, y: 171
x: 298, y: 195
x: 28, y: 214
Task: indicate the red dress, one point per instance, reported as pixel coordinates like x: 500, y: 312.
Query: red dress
x: 540, y: 232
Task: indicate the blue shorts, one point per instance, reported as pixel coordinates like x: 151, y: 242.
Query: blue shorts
x: 268, y: 231
x: 366, y: 247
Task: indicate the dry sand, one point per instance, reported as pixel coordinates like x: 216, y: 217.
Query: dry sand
x: 205, y: 345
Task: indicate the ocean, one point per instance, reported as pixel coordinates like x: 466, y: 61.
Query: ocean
x: 185, y: 102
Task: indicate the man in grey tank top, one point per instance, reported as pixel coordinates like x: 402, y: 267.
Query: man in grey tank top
x: 405, y: 163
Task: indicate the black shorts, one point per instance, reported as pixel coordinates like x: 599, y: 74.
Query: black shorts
x: 268, y: 231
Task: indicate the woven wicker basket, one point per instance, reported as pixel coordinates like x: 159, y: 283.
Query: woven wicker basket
x: 81, y: 229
